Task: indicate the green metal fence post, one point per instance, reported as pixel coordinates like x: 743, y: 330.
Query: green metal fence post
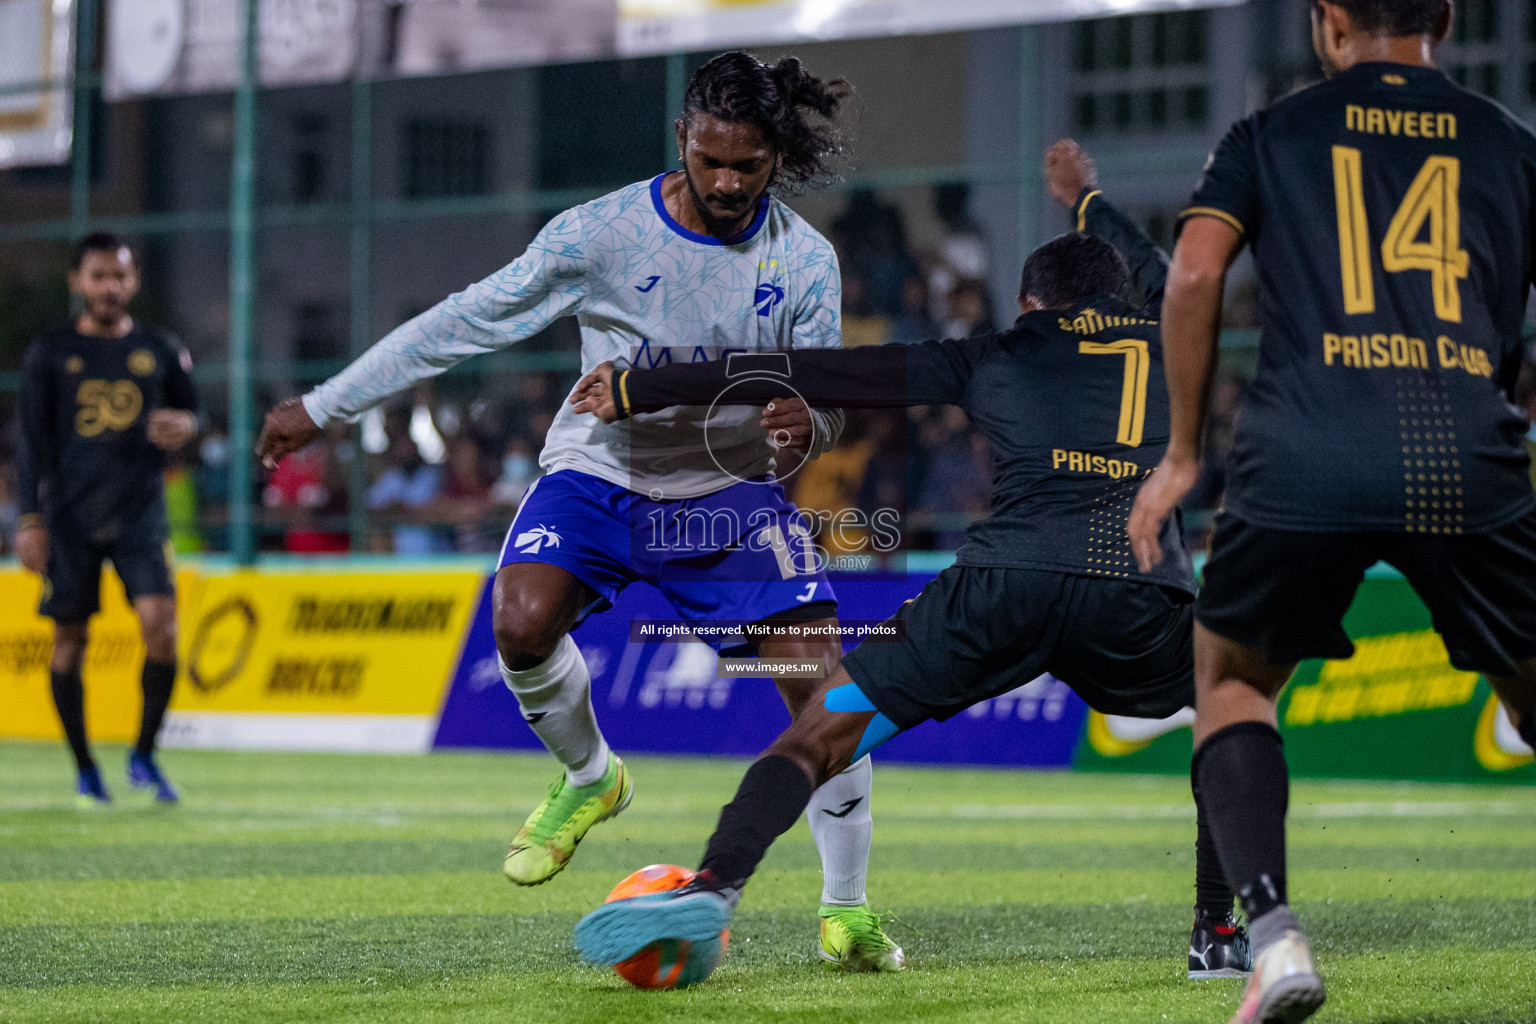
x: 80, y: 137
x: 677, y: 85
x: 361, y: 253
x: 242, y: 270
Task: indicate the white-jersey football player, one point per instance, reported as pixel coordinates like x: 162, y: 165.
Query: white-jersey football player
x: 685, y: 266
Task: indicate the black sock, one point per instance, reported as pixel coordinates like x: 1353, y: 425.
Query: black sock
x: 1213, y: 896
x: 159, y: 678
x: 771, y: 798
x: 69, y: 700
x: 1527, y: 728
x: 1246, y: 790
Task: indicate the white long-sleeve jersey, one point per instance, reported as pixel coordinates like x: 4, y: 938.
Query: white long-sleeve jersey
x: 645, y: 291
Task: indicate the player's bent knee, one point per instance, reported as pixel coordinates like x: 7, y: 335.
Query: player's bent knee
x: 833, y: 733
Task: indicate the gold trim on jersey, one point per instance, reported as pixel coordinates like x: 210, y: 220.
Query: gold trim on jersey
x: 1211, y: 211
x: 1082, y: 209
x: 624, y: 393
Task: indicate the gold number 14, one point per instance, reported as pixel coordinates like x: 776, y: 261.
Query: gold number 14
x: 1433, y: 197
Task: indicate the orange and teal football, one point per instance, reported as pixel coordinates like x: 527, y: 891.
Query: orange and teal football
x: 666, y: 963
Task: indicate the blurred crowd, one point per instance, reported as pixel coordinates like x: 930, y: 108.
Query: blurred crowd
x: 444, y: 469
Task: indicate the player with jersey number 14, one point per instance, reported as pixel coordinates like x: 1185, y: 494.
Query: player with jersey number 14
x: 1378, y: 426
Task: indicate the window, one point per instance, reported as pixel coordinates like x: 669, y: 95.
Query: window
x: 446, y: 158
x: 1141, y: 73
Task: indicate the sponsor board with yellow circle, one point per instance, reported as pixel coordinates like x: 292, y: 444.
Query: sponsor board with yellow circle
x: 311, y: 643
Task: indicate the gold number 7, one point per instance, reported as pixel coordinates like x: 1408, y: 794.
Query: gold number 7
x: 1133, y: 392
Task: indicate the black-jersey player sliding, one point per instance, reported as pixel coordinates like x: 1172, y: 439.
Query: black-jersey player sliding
x: 102, y: 400
x: 1073, y: 404
x: 1391, y: 216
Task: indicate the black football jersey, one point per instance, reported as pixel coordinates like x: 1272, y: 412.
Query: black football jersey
x: 85, y: 403
x: 1072, y: 401
x: 1391, y: 215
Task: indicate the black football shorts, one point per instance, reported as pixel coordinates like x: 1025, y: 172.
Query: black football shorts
x: 1284, y: 593
x: 975, y: 633
x: 72, y: 589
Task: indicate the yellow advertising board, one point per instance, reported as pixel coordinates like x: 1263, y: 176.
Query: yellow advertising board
x: 114, y: 659
x: 318, y: 660
x: 269, y: 659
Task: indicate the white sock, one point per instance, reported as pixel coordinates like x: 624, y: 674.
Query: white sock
x: 841, y: 825
x: 556, y: 699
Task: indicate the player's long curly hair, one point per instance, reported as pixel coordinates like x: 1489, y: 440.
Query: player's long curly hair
x: 796, y: 112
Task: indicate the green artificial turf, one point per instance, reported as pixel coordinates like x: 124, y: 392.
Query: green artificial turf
x: 291, y: 887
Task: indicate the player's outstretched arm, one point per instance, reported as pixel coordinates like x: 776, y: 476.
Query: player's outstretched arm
x: 1191, y: 334
x: 286, y: 429
x: 872, y: 377
x: 1147, y: 261
x: 1073, y: 181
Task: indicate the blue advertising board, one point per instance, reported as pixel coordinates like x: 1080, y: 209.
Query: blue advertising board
x: 665, y: 697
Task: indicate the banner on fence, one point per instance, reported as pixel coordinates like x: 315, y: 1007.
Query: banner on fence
x: 669, y: 697
x: 1398, y: 709
x: 351, y: 661
x: 114, y: 659
x: 404, y: 661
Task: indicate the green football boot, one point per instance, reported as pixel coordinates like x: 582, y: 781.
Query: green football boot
x: 851, y: 938
x: 548, y: 839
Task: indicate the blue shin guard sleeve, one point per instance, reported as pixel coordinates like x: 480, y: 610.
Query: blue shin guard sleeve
x: 849, y: 699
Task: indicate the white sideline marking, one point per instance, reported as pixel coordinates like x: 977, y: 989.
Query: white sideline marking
x: 376, y: 734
